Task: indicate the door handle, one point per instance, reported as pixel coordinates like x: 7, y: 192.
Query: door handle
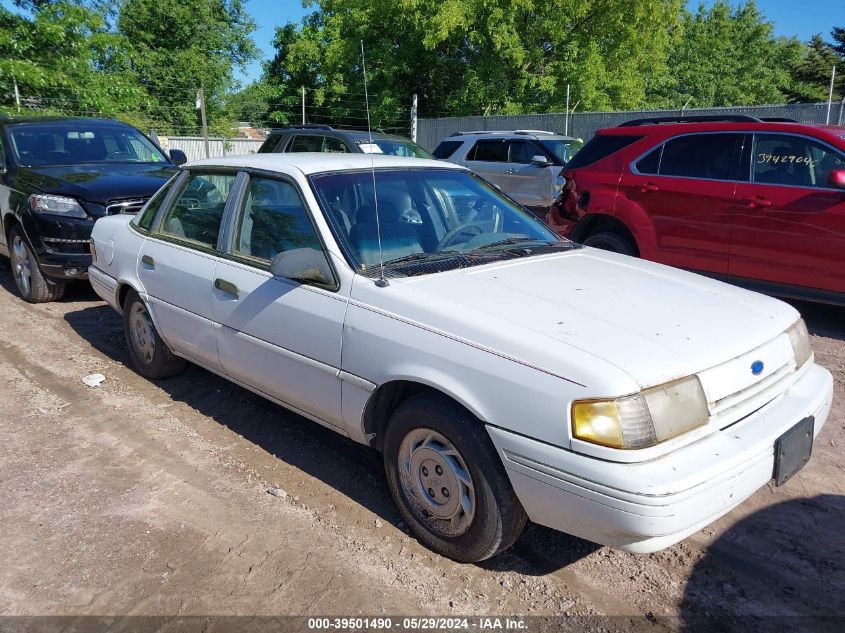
x: 149, y: 262
x: 758, y: 201
x: 226, y: 287
x: 648, y: 186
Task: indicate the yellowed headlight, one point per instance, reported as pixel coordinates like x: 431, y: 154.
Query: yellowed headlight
x: 597, y: 422
x: 800, y: 340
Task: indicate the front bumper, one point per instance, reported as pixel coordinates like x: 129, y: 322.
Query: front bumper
x: 61, y: 245
x: 647, y: 506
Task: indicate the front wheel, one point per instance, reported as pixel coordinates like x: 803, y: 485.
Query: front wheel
x: 150, y: 354
x: 448, y: 482
x: 610, y: 241
x: 32, y: 285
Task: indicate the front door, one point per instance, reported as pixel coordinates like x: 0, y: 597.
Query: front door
x: 790, y: 225
x: 686, y: 187
x: 176, y: 266
x: 279, y: 336
x: 529, y: 184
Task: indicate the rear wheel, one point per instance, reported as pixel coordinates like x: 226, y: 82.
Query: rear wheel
x: 611, y: 241
x: 448, y: 481
x: 32, y: 285
x: 150, y: 355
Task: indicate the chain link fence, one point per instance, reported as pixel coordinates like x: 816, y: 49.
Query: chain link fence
x: 584, y: 124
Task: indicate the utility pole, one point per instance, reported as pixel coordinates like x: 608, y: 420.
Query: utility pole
x: 17, y: 95
x: 830, y: 95
x: 566, y: 116
x: 201, y: 102
x: 570, y: 116
x: 303, y: 105
x: 414, y: 119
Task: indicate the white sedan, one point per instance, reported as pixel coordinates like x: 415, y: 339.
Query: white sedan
x: 504, y: 374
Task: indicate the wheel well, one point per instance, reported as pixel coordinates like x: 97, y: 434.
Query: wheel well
x: 385, y: 400
x: 8, y: 222
x: 599, y: 223
x: 122, y: 291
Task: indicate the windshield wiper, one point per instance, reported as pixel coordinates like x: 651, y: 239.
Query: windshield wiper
x: 513, y: 240
x: 413, y: 257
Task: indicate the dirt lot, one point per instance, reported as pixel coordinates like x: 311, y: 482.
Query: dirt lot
x: 138, y: 498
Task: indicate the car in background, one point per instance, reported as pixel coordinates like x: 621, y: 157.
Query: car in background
x: 503, y: 372
x: 325, y: 138
x: 756, y: 202
x: 57, y: 176
x: 525, y: 164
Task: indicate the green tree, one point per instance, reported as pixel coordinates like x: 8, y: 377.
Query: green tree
x: 812, y: 72
x: 730, y: 57
x: 179, y: 47
x: 65, y: 59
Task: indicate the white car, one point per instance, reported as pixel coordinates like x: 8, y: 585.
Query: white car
x: 504, y: 374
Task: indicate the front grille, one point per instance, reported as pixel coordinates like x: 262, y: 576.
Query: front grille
x: 66, y: 247
x: 125, y: 206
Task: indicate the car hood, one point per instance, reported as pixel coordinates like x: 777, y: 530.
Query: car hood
x: 99, y: 183
x: 653, y: 322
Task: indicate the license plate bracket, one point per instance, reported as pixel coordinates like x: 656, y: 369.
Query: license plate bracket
x: 793, y: 449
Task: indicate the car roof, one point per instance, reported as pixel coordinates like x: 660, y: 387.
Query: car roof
x: 331, y: 131
x: 318, y: 162
x: 17, y: 120
x: 829, y: 132
x: 537, y: 135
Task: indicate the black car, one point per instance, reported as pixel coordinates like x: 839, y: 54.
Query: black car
x: 324, y: 138
x: 57, y: 176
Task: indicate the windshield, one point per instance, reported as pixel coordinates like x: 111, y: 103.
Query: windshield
x: 564, y: 149
x: 428, y: 220
x: 393, y: 147
x: 75, y: 142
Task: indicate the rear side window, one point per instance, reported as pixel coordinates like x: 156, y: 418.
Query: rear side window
x: 490, y: 151
x: 446, y: 149
x: 650, y: 163
x: 600, y: 146
x: 270, y: 144
x: 306, y: 143
x: 699, y: 156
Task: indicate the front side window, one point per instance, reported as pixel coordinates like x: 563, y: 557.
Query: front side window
x: 196, y: 214
x: 783, y: 159
x: 563, y: 149
x: 76, y: 143
x: 273, y: 220
x: 707, y: 156
x: 489, y: 151
x: 521, y: 152
x: 426, y: 220
x: 334, y: 146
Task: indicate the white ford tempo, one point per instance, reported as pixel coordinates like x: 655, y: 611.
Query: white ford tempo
x: 504, y: 374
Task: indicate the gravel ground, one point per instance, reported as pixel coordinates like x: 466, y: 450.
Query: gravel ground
x: 142, y: 498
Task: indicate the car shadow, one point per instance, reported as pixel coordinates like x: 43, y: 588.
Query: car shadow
x: 779, y: 569
x: 352, y: 469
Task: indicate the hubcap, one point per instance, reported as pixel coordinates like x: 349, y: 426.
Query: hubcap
x: 22, y: 265
x: 142, y: 332
x: 436, y: 482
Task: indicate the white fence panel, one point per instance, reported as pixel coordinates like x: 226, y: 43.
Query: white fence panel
x: 194, y: 146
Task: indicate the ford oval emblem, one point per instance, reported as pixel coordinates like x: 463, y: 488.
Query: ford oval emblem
x: 757, y: 367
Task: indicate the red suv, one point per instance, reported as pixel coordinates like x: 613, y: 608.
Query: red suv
x: 759, y: 202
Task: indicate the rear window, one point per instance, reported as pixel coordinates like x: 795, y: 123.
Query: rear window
x: 446, y: 149
x: 601, y: 146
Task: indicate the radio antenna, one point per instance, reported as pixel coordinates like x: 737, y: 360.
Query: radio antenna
x: 381, y: 282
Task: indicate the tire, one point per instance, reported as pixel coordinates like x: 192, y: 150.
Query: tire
x: 150, y: 354
x: 474, y: 490
x: 610, y: 241
x: 32, y: 285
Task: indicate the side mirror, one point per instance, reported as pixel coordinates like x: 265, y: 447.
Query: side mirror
x: 178, y: 157
x: 836, y: 179
x: 303, y: 264
x: 540, y: 161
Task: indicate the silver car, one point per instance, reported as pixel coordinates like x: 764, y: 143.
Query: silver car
x: 525, y: 164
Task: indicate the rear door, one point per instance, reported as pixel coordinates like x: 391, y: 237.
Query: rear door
x: 789, y: 226
x: 176, y: 265
x: 686, y: 187
x: 488, y: 158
